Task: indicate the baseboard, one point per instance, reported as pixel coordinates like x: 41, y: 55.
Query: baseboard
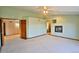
x: 36, y: 36
x: 65, y: 37
x: 13, y: 34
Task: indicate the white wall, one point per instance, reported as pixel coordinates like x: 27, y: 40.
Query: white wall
x: 70, y: 26
x: 35, y: 27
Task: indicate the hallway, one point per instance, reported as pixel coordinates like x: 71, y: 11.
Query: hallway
x: 42, y: 44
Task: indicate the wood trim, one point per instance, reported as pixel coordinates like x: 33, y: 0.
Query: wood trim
x: 1, y: 32
x: 65, y: 37
x: 9, y: 18
x: 23, y: 24
x: 12, y: 34
x: 4, y: 30
x: 49, y: 27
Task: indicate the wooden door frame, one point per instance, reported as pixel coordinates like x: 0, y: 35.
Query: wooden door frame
x: 1, y: 32
x: 4, y: 30
x: 25, y: 29
x: 49, y: 28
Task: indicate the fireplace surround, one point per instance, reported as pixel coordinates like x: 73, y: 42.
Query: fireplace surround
x: 59, y: 29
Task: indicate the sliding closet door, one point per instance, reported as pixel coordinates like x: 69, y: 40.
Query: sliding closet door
x: 0, y: 33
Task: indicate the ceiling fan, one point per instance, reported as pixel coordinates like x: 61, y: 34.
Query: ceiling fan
x: 44, y: 10
x: 47, y: 10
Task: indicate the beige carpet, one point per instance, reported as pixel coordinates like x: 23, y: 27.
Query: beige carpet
x: 42, y: 44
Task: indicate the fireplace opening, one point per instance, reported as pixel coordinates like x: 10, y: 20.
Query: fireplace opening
x: 59, y: 29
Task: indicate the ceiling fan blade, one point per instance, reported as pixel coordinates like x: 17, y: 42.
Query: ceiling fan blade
x: 39, y: 7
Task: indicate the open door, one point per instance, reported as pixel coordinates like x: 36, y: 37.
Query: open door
x: 23, y: 29
x: 1, y: 43
x: 4, y: 29
x: 48, y: 28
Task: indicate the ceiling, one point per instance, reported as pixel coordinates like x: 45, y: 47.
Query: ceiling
x: 52, y: 10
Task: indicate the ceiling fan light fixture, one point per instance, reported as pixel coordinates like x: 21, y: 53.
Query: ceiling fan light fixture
x: 45, y: 7
x: 46, y: 12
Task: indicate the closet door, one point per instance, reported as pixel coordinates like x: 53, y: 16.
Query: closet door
x: 0, y: 33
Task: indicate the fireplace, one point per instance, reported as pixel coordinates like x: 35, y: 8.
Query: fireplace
x: 59, y: 29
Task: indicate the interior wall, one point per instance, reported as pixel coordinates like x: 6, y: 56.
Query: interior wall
x: 70, y: 26
x: 36, y: 26
x: 70, y: 22
x: 12, y: 27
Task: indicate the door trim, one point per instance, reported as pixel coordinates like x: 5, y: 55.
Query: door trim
x: 1, y: 32
x: 23, y: 29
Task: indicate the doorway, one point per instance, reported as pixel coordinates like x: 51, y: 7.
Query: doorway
x: 49, y: 28
x: 10, y: 29
x: 23, y: 29
x: 4, y: 30
x: 13, y: 29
